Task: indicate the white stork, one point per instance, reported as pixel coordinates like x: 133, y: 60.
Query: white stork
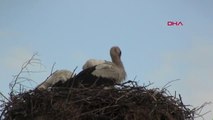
x: 57, y: 76
x: 106, y: 73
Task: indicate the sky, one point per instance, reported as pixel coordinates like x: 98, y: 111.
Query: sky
x: 69, y: 32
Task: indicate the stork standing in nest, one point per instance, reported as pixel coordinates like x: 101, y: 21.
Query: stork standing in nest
x: 107, y: 73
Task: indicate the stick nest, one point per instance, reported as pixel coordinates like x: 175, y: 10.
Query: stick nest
x: 126, y: 101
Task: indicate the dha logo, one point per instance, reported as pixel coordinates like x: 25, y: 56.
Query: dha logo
x: 171, y: 23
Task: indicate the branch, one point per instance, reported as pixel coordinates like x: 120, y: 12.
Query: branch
x: 4, y: 96
x: 24, y: 69
x: 167, y: 84
x: 52, y: 68
x: 200, y: 109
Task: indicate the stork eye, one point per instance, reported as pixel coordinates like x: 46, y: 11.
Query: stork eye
x: 120, y: 53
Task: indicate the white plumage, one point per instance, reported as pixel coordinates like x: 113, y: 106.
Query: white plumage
x: 92, y: 62
x: 58, y: 75
x: 106, y: 70
x: 112, y: 70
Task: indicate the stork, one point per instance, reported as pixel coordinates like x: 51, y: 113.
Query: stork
x: 57, y: 76
x: 107, y: 73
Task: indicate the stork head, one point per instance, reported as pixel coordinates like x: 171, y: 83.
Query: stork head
x: 115, y: 52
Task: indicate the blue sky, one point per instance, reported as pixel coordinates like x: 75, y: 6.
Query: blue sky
x: 69, y: 32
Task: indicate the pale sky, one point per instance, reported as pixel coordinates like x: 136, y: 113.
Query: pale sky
x: 69, y: 32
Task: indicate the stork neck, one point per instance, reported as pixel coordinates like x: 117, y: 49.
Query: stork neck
x: 117, y: 61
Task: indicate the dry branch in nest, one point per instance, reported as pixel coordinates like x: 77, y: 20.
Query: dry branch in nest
x: 17, y: 86
x: 126, y: 101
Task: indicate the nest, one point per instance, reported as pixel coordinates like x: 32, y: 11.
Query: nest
x: 126, y: 101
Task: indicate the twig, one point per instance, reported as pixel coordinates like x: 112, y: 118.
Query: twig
x: 24, y: 68
x: 52, y: 68
x: 68, y: 97
x: 135, y: 78
x: 4, y: 96
x: 98, y: 109
x: 73, y: 72
x: 166, y: 85
x: 199, y: 110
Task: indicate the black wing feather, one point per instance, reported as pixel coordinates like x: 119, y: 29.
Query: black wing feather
x: 86, y: 79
